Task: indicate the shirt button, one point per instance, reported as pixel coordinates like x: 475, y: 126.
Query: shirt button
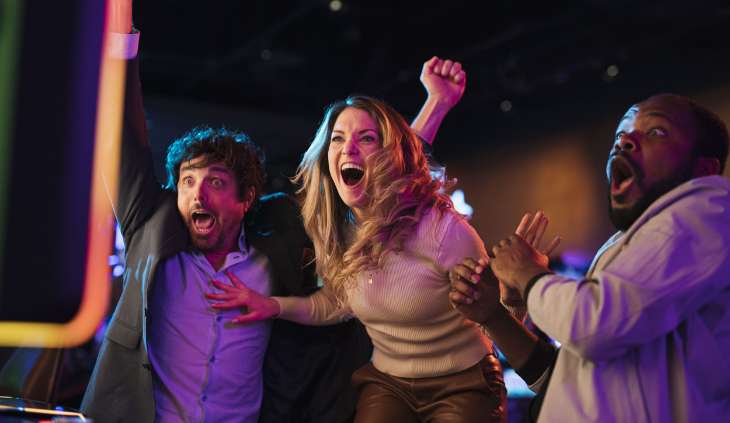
x: 204, y: 397
x: 218, y: 318
x: 212, y: 359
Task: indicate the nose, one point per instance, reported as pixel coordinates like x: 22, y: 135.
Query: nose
x: 350, y: 147
x: 200, y: 193
x: 627, y: 142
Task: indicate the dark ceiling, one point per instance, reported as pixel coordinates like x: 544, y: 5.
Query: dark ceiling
x: 295, y: 56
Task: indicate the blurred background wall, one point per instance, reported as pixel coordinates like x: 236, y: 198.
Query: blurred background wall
x: 547, y: 83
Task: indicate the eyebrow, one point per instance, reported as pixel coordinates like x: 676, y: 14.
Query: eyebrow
x: 651, y: 113
x: 213, y: 168
x: 359, y: 132
x: 659, y: 114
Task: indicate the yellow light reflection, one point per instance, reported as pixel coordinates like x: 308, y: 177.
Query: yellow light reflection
x: 95, y: 298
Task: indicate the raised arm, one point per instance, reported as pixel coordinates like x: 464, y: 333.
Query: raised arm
x: 139, y: 190
x: 444, y: 81
x: 120, y: 17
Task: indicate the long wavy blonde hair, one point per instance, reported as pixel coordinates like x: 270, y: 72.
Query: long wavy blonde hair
x: 399, y: 187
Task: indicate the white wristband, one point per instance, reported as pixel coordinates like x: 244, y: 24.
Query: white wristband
x: 123, y: 46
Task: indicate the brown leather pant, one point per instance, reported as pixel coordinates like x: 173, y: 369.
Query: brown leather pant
x: 476, y: 395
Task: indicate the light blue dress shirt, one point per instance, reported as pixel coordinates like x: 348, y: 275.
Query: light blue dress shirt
x: 206, y: 369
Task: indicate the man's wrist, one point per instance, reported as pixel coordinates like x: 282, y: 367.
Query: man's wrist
x: 527, y: 287
x: 524, y: 274
x: 500, y: 312
x: 276, y: 308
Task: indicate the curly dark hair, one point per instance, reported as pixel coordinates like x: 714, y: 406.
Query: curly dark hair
x: 234, y: 149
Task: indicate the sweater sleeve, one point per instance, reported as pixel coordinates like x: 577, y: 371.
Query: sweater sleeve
x: 319, y: 309
x: 458, y: 241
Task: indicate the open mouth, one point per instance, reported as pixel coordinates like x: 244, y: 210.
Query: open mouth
x: 351, y: 173
x: 623, y: 175
x: 203, y: 221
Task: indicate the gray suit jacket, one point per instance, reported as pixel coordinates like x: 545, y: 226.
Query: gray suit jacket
x: 120, y: 389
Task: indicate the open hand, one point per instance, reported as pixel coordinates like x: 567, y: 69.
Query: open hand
x: 531, y: 228
x: 238, y: 295
x: 515, y: 262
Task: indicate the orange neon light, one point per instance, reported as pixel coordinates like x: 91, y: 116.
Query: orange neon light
x: 105, y: 172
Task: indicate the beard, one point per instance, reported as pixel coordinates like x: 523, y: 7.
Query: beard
x: 208, y: 243
x: 623, y: 217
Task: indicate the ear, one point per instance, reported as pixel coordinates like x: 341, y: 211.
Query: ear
x: 248, y: 198
x: 706, y: 166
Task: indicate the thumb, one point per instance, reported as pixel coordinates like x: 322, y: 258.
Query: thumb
x: 250, y: 317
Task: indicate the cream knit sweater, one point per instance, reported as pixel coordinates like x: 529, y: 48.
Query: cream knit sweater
x: 405, y: 307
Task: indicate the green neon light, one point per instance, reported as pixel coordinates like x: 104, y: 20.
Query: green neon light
x: 10, y: 26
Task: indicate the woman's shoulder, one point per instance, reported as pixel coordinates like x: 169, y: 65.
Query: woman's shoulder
x: 447, y: 236
x: 436, y: 223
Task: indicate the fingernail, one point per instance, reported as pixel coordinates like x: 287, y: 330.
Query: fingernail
x: 477, y: 295
x: 479, y: 269
x: 469, y: 301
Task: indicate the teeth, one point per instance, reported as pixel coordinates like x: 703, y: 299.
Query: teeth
x: 202, y: 221
x: 346, y: 166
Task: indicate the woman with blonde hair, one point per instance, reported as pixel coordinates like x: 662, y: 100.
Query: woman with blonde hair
x: 385, y: 236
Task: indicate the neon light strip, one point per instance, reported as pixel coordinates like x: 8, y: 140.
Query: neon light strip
x: 10, y: 18
x: 100, y: 231
x: 43, y: 411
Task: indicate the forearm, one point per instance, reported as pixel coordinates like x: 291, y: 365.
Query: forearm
x: 514, y: 340
x: 120, y: 16
x: 138, y: 190
x: 603, y: 317
x: 429, y: 118
x: 318, y: 309
x: 294, y: 309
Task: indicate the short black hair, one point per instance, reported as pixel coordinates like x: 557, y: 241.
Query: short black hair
x: 711, y: 135
x: 234, y: 149
x: 711, y: 132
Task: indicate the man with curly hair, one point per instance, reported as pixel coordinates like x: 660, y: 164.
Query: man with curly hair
x: 167, y: 354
